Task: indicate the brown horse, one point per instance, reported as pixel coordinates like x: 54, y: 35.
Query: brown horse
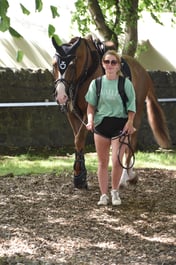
x: 75, y: 64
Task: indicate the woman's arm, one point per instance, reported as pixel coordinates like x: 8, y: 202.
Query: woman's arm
x: 90, y: 117
x: 129, y: 128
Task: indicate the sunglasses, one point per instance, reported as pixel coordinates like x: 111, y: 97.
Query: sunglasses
x: 113, y: 62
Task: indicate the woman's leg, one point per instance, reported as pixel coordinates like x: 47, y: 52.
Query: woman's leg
x: 102, y: 145
x: 116, y: 167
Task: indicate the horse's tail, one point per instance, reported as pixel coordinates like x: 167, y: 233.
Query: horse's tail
x: 157, y: 119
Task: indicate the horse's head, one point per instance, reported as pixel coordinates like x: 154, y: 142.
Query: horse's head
x: 63, y: 63
x: 75, y: 64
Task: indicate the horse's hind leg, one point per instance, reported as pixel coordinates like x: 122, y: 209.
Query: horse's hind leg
x: 128, y: 175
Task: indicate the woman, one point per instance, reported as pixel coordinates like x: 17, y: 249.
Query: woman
x: 107, y: 120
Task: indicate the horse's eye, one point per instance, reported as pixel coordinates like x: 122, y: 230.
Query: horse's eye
x: 55, y: 64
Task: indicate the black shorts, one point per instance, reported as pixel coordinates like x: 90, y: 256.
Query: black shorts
x: 110, y: 127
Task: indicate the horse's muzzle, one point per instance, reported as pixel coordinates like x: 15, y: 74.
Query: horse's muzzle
x: 63, y: 107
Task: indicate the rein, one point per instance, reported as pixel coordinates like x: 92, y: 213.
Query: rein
x: 122, y: 137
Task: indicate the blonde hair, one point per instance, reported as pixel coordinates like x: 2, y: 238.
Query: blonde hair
x: 118, y: 58
x: 113, y: 53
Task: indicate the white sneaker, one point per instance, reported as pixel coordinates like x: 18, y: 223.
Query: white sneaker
x: 103, y: 200
x: 115, y: 198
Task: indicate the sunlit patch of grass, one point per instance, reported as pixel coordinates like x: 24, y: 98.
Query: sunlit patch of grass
x: 23, y: 164
x: 163, y: 160
x: 36, y: 164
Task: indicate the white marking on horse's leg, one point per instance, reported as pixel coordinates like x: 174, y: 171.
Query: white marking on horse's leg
x: 127, y: 176
x: 131, y: 173
x: 124, y: 179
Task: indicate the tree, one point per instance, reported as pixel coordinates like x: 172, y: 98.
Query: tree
x: 114, y: 20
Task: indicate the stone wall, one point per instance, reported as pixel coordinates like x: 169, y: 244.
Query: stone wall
x: 22, y: 128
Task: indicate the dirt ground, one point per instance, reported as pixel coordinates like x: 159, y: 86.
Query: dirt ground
x: 44, y: 220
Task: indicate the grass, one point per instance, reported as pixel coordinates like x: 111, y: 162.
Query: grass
x: 38, y: 164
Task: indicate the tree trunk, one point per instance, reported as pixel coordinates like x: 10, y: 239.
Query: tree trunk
x: 131, y: 30
x: 100, y: 23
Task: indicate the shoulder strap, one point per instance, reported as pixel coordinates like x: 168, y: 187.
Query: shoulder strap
x: 121, y: 89
x: 98, y: 87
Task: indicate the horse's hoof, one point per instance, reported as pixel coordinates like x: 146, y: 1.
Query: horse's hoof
x: 133, y: 181
x: 81, y: 186
x: 80, y: 183
x: 123, y: 185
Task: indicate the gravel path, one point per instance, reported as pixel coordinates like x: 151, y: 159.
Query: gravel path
x: 44, y: 220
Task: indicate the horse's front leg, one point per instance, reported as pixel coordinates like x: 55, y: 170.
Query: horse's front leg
x: 80, y: 134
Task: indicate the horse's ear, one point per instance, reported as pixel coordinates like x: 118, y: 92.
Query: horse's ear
x: 55, y: 44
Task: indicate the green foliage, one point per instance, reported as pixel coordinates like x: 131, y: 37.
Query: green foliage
x: 115, y: 16
x: 54, y: 11
x: 24, y: 10
x: 51, y: 30
x: 51, y: 33
x: 81, y: 17
x: 155, y: 7
x: 57, y: 39
x: 38, y: 5
x: 117, y: 13
x: 84, y: 19
x: 4, y: 23
x: 4, y: 19
x: 14, y: 33
x: 20, y: 55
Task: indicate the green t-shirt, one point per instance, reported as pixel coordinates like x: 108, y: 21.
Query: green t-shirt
x: 110, y: 103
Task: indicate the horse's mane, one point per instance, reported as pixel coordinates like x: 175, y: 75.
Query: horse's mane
x: 73, y: 40
x: 105, y: 45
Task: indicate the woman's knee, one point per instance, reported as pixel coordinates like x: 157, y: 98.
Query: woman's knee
x: 103, y: 163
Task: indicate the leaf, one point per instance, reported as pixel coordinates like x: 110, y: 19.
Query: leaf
x: 51, y: 30
x: 54, y: 11
x: 24, y: 10
x: 4, y: 23
x: 4, y: 6
x: 38, y: 5
x: 14, y: 33
x: 57, y: 39
x: 20, y: 55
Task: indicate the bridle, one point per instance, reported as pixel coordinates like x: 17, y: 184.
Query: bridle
x: 66, y: 59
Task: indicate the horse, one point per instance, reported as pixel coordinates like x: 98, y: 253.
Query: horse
x: 75, y: 65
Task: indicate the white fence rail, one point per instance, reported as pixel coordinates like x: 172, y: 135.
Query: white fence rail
x: 48, y: 104
x: 27, y: 104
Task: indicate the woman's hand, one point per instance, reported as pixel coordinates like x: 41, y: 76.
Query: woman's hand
x: 90, y: 126
x: 129, y: 128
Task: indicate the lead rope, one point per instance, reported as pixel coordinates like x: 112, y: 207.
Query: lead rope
x: 122, y: 137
